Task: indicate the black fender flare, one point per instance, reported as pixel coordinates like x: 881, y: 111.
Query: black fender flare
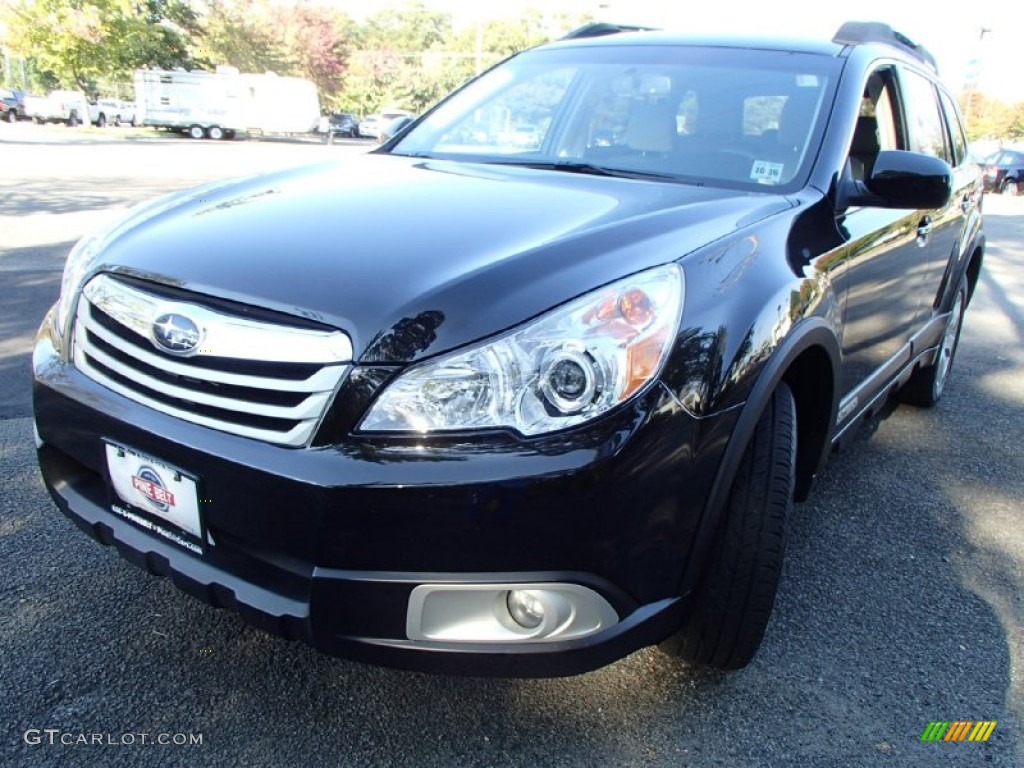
x: 810, y: 332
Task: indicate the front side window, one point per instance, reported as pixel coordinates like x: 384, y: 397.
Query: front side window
x: 878, y: 125
x: 702, y: 115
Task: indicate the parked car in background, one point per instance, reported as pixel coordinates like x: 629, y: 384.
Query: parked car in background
x: 981, y: 150
x: 12, y: 105
x: 343, y: 124
x: 111, y: 111
x: 1004, y: 172
x: 62, y: 106
x: 6, y: 101
x: 372, y: 125
x: 128, y: 113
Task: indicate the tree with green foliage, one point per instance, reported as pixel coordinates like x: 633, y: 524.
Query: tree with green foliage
x: 79, y: 42
x: 1015, y: 129
x: 160, y: 34
x: 410, y: 57
x: 413, y: 28
x: 242, y: 35
x: 989, y: 118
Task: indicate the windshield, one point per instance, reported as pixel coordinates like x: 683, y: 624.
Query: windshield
x: 726, y: 116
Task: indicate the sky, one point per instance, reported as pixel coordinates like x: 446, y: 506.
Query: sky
x: 952, y: 32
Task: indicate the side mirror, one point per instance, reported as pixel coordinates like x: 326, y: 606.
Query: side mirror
x: 902, y: 179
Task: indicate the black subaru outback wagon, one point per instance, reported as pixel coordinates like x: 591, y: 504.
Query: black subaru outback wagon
x: 554, y: 399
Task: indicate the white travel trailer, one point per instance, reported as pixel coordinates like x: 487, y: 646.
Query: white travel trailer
x: 220, y: 104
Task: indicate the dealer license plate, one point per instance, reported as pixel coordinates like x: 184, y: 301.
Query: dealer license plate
x: 167, y: 497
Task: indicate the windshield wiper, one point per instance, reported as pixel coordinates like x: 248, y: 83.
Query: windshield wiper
x: 565, y: 166
x: 576, y: 166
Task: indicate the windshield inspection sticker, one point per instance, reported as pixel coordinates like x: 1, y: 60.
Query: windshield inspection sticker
x: 765, y: 172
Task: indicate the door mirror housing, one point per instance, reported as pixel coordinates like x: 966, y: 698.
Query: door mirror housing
x: 901, y: 179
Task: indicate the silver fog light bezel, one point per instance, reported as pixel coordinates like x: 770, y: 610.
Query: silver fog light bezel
x: 479, y: 614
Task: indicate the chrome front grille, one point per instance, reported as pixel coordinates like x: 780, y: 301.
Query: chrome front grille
x: 254, y: 378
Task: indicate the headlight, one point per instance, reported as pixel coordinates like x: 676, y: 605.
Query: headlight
x: 567, y: 367
x: 74, y: 270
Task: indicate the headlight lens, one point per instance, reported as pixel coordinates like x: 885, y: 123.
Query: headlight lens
x: 75, y: 268
x: 567, y: 367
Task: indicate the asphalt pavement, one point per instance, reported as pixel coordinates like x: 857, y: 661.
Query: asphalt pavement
x: 900, y: 604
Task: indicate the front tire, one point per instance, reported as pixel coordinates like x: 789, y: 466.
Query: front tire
x: 1011, y: 187
x: 734, y: 602
x: 101, y: 122
x: 927, y: 384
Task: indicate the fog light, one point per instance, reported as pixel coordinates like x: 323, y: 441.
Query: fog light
x: 500, y: 613
x: 525, y: 608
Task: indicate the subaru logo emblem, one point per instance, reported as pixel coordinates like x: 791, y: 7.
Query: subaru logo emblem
x: 175, y: 333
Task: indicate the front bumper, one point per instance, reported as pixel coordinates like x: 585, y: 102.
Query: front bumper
x: 326, y: 544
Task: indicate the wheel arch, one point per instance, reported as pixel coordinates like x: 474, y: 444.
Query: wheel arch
x: 808, y: 361
x: 811, y: 379
x: 973, y: 270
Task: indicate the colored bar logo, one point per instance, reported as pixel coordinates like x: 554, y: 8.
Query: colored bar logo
x: 959, y: 730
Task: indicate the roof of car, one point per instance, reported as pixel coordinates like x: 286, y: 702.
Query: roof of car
x: 788, y: 44
x: 852, y: 34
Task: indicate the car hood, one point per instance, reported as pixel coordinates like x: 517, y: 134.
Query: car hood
x: 413, y: 257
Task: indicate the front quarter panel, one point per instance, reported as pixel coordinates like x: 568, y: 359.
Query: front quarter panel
x: 744, y: 296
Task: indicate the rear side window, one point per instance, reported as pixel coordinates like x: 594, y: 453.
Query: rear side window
x: 927, y: 133
x: 956, y: 128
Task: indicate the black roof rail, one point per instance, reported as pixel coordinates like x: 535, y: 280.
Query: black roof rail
x: 856, y: 32
x: 601, y: 28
